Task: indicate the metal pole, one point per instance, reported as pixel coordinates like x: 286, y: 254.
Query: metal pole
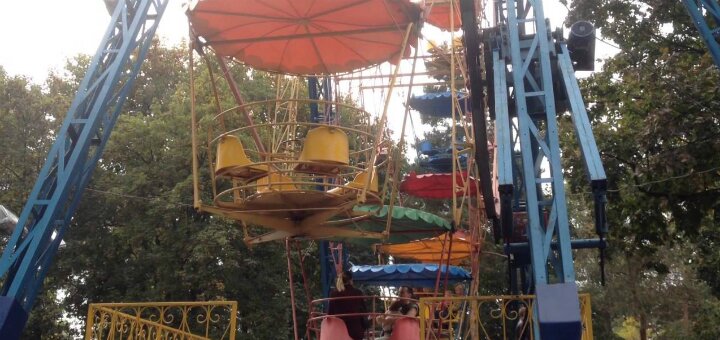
x: 240, y: 101
x: 292, y: 288
x: 193, y: 120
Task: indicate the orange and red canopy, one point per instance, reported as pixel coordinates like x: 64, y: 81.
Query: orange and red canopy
x: 429, y: 250
x: 438, y: 14
x: 437, y: 186
x: 305, y: 36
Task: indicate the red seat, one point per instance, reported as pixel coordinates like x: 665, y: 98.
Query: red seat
x: 406, y: 329
x: 334, y: 329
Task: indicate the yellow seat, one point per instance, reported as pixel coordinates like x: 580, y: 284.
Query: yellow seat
x: 358, y: 183
x: 325, y: 151
x: 361, y: 180
x: 275, y: 182
x: 232, y: 161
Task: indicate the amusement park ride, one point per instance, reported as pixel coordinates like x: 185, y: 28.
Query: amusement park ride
x: 318, y: 168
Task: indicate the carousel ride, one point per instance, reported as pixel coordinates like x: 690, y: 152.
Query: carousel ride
x: 529, y: 79
x: 322, y: 169
x: 297, y: 166
x: 317, y: 167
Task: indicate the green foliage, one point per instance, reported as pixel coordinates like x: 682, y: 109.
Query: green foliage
x: 136, y: 236
x: 706, y: 326
x: 439, y: 66
x: 27, y: 119
x: 26, y: 124
x: 51, y: 322
x: 629, y: 329
x: 653, y: 109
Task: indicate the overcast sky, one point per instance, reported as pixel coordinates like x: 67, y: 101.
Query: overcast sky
x: 37, y: 36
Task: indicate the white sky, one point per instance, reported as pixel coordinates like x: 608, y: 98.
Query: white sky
x: 40, y: 35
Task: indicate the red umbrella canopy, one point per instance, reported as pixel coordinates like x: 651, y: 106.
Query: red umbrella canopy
x: 439, y: 14
x: 435, y: 186
x: 305, y: 36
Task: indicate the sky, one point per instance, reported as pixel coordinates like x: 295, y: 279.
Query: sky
x: 41, y: 35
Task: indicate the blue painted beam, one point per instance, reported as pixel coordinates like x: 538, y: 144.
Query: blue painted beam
x: 320, y: 89
x: 74, y: 155
x: 583, y: 128
x: 706, y: 16
x: 527, y: 129
x: 503, y: 131
x: 505, y: 145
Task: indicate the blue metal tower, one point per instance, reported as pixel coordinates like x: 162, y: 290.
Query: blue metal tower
x: 530, y: 80
x: 706, y: 16
x: 73, y: 157
x: 321, y: 89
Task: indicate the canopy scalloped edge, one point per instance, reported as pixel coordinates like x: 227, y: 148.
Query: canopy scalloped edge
x: 415, y: 274
x: 407, y: 213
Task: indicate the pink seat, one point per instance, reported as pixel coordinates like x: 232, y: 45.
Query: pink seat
x: 406, y: 329
x: 334, y: 329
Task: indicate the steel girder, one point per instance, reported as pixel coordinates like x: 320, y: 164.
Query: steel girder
x: 320, y: 89
x: 706, y: 16
x: 532, y: 79
x: 74, y: 155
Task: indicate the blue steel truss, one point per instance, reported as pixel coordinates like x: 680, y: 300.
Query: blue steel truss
x: 532, y: 80
x: 706, y: 16
x: 75, y: 153
x: 321, y: 89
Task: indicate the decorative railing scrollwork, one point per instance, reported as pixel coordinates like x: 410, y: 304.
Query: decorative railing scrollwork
x: 162, y: 320
x: 487, y: 317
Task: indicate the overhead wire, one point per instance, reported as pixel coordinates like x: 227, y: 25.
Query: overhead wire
x: 147, y: 198
x: 662, y: 180
x: 667, y: 179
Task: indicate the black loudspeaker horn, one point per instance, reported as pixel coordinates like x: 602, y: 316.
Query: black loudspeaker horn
x: 581, y: 44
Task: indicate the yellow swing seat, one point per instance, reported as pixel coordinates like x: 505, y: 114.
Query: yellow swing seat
x: 275, y: 182
x: 233, y: 162
x: 358, y: 184
x: 325, y: 151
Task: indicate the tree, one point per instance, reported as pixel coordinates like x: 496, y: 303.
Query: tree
x: 653, y: 113
x: 27, y: 120
x: 136, y: 236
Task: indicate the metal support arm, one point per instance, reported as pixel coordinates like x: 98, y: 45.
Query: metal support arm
x: 531, y: 72
x: 73, y: 157
x: 706, y: 16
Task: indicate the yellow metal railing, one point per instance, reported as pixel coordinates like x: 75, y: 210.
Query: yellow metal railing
x: 162, y: 320
x: 503, y: 317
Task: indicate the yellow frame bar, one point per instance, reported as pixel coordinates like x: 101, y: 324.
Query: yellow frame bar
x: 114, y: 310
x: 476, y: 328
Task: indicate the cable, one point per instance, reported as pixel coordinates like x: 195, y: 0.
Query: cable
x: 670, y: 178
x: 607, y: 43
x: 138, y: 197
x: 662, y: 180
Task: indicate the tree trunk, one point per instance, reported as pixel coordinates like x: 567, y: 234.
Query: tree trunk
x: 686, y: 319
x: 643, y: 327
